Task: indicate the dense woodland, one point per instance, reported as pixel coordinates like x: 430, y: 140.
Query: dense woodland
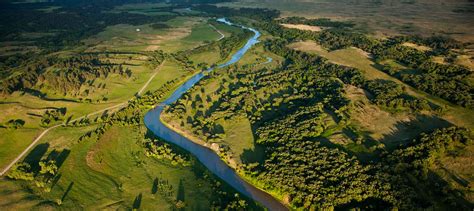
x: 66, y: 26
x: 293, y: 110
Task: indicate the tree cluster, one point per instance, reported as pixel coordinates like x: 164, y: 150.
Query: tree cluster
x: 41, y: 179
x: 160, y: 150
x: 323, y: 22
x: 442, y: 80
x: 51, y: 116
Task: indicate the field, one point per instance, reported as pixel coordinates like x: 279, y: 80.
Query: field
x: 357, y: 58
x: 186, y: 33
x: 447, y: 17
x: 108, y: 174
x: 30, y: 108
x: 113, y: 172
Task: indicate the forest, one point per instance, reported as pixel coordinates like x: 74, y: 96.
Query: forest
x: 295, y: 108
x: 289, y: 110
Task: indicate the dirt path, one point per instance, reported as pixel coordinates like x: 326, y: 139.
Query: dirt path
x: 217, y: 30
x: 37, y: 139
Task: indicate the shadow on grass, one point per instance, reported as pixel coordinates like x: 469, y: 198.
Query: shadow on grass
x: 34, y: 157
x: 255, y: 155
x: 404, y: 132
x: 67, y: 191
x: 180, y: 196
x: 55, y: 180
x: 137, y: 202
x: 59, y: 157
x: 154, y: 186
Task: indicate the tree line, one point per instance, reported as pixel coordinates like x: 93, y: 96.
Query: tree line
x: 65, y: 76
x: 442, y: 80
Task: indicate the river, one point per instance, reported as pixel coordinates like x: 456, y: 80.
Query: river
x: 205, y: 155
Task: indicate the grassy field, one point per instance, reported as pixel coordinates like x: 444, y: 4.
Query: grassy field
x: 118, y: 89
x: 116, y: 163
x: 210, y: 57
x: 108, y: 174
x: 184, y: 33
x: 30, y: 108
x: 447, y: 17
x: 357, y: 58
x: 13, y: 141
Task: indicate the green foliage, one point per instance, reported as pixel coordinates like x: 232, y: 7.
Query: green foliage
x: 289, y: 108
x: 229, y: 44
x: 155, y: 58
x: 42, y: 179
x: 442, y: 80
x: 163, y: 151
x: 48, y: 167
x: 324, y: 22
x: 14, y: 123
x: 21, y: 171
x: 51, y: 116
x: 421, y: 153
x: 69, y: 75
x: 385, y: 93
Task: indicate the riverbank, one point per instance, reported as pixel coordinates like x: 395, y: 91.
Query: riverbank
x: 229, y: 161
x: 205, y: 154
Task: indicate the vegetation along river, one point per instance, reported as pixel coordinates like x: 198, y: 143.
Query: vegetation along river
x: 205, y: 155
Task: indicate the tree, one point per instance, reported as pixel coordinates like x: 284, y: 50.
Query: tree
x: 48, y: 167
x: 21, y: 171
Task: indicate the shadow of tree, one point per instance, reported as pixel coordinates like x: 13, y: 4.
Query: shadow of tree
x: 181, y: 194
x: 137, y: 202
x: 59, y: 157
x: 255, y: 155
x: 55, y: 180
x: 154, y: 186
x: 34, y: 156
x: 404, y: 132
x: 69, y: 187
x: 368, y: 204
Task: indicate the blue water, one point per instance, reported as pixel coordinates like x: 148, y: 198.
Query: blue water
x: 206, y: 156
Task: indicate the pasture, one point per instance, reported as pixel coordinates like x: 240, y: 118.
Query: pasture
x: 357, y: 58
x: 382, y: 18
x: 111, y: 173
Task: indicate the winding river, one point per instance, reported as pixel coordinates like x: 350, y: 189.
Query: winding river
x: 205, y: 155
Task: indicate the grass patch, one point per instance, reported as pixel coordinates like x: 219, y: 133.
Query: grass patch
x: 112, y: 172
x: 381, y: 18
x: 240, y: 139
x: 12, y: 142
x: 358, y: 59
